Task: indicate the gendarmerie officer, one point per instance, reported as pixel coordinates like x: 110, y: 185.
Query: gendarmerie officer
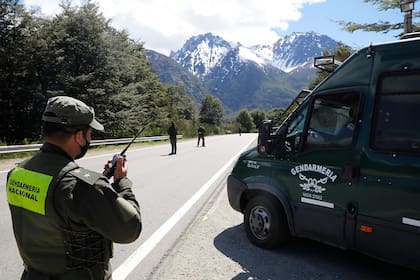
x: 65, y: 218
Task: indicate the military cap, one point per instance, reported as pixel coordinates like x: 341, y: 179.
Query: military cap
x: 69, y: 111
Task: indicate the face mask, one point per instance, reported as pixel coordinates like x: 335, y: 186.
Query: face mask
x: 83, y: 149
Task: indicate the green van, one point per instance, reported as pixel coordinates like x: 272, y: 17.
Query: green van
x: 343, y: 167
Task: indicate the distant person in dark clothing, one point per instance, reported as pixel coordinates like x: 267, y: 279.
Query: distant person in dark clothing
x: 240, y: 131
x: 200, y: 132
x: 172, y: 131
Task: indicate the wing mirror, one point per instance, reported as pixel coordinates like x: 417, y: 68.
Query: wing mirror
x: 264, y: 137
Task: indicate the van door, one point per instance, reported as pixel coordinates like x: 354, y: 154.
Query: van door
x: 320, y: 167
x: 389, y: 202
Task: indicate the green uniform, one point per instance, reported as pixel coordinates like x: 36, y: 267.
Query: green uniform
x: 65, y: 218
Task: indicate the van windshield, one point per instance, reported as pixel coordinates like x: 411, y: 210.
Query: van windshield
x: 292, y: 107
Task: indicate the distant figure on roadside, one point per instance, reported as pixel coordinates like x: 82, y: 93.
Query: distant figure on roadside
x: 240, y: 131
x: 201, y: 131
x: 172, y: 131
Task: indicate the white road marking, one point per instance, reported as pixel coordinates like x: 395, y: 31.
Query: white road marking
x: 141, y: 252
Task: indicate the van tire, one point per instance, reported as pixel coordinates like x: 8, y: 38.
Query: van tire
x: 265, y: 222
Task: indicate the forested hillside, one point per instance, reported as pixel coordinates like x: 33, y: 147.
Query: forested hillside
x: 78, y: 53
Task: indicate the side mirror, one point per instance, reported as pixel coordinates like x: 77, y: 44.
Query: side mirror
x: 264, y: 137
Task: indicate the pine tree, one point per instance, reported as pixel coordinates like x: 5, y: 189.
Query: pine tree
x: 245, y: 121
x: 258, y: 116
x: 211, y: 111
x: 20, y: 99
x: 382, y: 26
x: 77, y: 53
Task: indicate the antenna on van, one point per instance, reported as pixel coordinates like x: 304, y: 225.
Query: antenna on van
x: 370, y: 51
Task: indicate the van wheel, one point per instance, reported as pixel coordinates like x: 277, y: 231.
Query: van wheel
x: 265, y: 222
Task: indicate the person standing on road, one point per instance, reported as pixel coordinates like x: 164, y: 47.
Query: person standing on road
x: 201, y: 131
x: 66, y: 218
x: 172, y: 131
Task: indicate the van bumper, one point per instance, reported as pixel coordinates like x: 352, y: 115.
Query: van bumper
x: 235, y: 189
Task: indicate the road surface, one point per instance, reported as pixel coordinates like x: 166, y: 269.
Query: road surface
x: 191, y: 232
x: 170, y: 190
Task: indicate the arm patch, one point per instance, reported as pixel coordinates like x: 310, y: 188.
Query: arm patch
x: 85, y: 175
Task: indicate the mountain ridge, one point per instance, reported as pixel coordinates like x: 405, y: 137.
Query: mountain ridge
x: 260, y: 76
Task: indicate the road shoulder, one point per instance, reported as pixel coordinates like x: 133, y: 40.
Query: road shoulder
x: 196, y: 254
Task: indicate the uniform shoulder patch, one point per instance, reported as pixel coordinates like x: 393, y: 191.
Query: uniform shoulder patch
x: 87, y: 176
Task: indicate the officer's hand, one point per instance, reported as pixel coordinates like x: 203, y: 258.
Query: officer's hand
x: 121, y: 169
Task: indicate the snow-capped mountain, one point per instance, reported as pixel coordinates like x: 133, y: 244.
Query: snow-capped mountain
x: 202, y: 53
x: 298, y: 49
x: 261, y: 76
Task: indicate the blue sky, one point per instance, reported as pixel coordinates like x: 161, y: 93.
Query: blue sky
x: 322, y: 18
x: 165, y: 25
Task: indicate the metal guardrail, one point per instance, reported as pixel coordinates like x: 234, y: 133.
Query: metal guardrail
x: 35, y: 147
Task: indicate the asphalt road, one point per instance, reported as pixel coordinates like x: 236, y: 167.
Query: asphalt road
x: 190, y: 231
x: 215, y: 247
x: 170, y: 189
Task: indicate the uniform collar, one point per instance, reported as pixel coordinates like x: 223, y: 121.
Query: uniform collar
x: 51, y: 148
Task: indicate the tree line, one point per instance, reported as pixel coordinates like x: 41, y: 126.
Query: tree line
x: 79, y: 54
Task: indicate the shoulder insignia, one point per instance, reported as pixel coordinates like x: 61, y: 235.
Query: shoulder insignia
x: 85, y: 175
x: 69, y: 167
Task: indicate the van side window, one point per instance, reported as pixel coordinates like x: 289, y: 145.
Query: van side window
x: 333, y: 121
x: 397, y: 114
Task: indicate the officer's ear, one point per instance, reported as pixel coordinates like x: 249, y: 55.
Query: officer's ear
x: 79, y: 137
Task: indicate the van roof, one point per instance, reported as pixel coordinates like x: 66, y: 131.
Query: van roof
x: 358, y: 69
x: 404, y: 38
x: 410, y: 35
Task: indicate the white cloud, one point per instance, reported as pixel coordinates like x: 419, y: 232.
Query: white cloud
x: 164, y: 25
x: 47, y: 7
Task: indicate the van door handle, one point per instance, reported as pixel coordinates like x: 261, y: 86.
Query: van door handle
x: 350, y: 173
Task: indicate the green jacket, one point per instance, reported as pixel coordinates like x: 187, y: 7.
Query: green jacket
x: 65, y: 218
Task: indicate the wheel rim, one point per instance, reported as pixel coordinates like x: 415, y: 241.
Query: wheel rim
x: 259, y: 222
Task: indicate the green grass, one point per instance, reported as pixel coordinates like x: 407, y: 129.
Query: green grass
x: 16, y: 155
